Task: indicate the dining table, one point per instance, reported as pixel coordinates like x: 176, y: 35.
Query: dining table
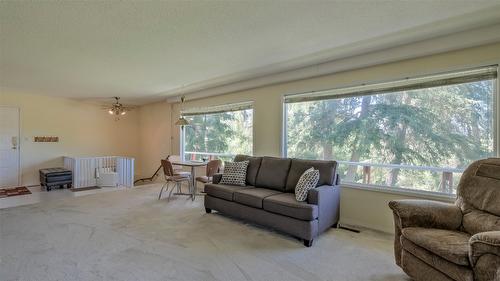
x: 193, y: 165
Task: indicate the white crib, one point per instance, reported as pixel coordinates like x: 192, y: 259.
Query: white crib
x: 86, y: 169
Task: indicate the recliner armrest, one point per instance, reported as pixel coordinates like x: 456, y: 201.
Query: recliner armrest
x: 426, y: 213
x: 216, y: 178
x: 484, y: 243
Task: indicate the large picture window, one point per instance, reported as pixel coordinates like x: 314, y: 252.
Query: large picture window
x: 218, y: 132
x: 415, y: 134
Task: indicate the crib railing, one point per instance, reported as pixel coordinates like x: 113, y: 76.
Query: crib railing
x: 84, y: 169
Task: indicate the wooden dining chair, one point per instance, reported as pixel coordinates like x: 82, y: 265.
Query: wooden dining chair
x: 213, y: 167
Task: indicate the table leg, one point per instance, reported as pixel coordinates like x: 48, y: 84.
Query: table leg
x: 193, y: 181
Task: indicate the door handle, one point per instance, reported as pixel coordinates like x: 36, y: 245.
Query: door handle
x: 14, y: 142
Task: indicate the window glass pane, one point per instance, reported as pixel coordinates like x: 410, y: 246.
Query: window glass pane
x: 418, y: 139
x: 218, y: 135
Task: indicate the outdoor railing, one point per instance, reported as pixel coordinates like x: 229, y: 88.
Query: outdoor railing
x: 209, y: 155
x: 446, y: 184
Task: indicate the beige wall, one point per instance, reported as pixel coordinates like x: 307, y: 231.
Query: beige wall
x: 154, y: 136
x: 359, y: 207
x: 83, y: 130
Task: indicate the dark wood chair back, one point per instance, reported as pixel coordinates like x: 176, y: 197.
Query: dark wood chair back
x: 168, y: 170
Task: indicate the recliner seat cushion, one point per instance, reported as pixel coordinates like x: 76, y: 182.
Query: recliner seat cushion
x: 327, y: 170
x: 223, y: 191
x: 253, y: 197
x: 450, y: 245
x: 453, y: 270
x: 285, y: 204
x: 253, y: 166
x: 273, y: 173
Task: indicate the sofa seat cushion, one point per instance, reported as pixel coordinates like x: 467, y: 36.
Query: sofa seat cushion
x: 223, y: 191
x: 253, y: 197
x: 285, y: 204
x: 450, y: 245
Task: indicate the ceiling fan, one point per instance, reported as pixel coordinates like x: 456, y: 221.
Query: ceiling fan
x: 117, y: 108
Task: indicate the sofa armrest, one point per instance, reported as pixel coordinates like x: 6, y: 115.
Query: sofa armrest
x: 426, y: 213
x: 327, y: 197
x: 484, y: 243
x: 216, y: 178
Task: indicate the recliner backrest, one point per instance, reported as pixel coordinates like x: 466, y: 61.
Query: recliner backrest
x: 478, y: 196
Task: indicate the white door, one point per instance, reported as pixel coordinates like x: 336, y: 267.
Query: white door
x: 9, y: 146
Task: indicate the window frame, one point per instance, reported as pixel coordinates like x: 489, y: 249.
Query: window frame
x: 214, y: 109
x: 399, y: 190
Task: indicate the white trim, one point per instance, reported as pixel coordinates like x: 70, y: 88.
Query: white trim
x: 218, y: 108
x: 284, y: 126
x: 496, y: 116
x: 19, y: 141
x: 402, y: 191
x: 390, y: 84
x: 182, y: 137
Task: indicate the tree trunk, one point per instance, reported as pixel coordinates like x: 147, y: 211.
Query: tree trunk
x: 328, y: 122
x: 327, y: 151
x: 398, y: 150
x: 358, y: 144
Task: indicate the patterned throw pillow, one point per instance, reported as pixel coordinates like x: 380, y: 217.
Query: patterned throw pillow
x: 307, y: 181
x: 235, y: 173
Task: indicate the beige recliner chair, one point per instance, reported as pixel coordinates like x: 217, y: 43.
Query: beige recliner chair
x: 461, y: 241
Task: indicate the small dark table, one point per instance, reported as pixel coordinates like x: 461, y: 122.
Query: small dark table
x: 55, y: 177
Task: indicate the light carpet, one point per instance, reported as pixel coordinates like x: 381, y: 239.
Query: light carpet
x: 130, y: 235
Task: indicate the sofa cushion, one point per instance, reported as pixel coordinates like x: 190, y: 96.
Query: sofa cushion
x: 253, y: 166
x: 273, y: 173
x: 327, y: 171
x: 223, y: 191
x: 285, y: 204
x: 450, y: 245
x: 253, y: 197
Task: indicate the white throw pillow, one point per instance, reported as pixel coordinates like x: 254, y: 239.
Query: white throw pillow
x: 307, y: 181
x: 235, y: 173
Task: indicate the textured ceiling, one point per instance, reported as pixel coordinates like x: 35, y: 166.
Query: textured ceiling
x: 145, y: 51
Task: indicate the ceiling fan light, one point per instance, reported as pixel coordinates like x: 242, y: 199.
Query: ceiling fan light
x: 111, y: 112
x: 123, y: 113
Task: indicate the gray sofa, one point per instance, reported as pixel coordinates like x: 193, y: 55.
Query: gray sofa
x: 444, y: 242
x: 268, y: 197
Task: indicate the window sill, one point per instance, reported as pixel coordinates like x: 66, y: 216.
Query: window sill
x: 402, y: 191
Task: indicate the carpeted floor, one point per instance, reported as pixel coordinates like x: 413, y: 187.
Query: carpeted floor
x: 130, y: 235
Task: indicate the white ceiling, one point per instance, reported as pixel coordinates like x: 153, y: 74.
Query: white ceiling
x: 146, y: 51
